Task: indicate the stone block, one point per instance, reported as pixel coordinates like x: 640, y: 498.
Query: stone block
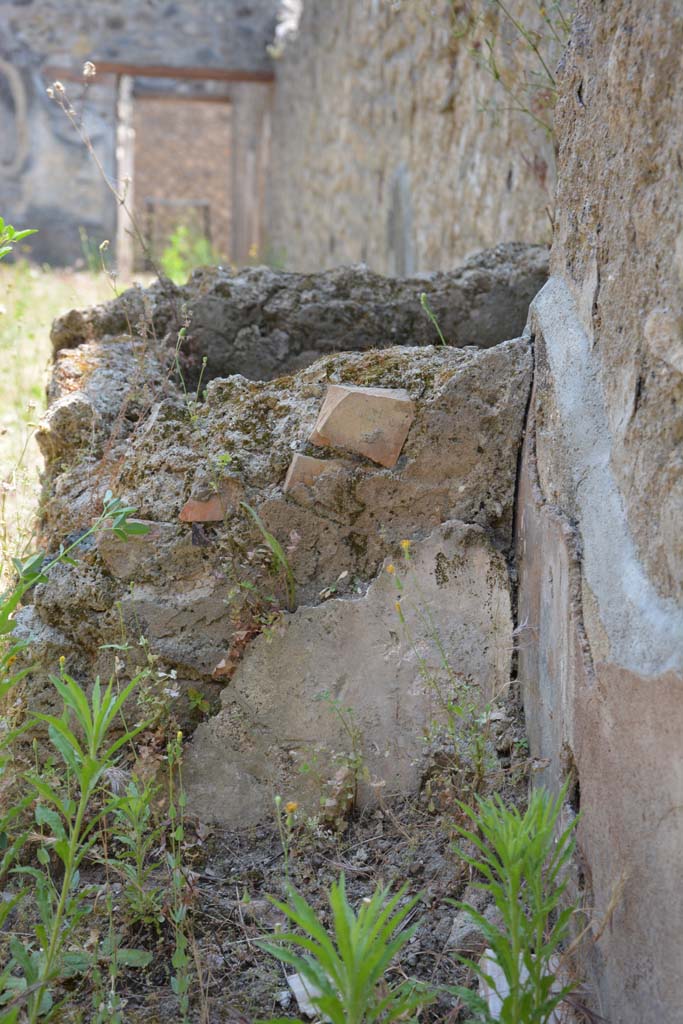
x: 368, y: 421
x: 358, y: 650
x: 68, y: 426
x: 140, y: 553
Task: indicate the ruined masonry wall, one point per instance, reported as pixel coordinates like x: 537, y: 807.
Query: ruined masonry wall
x: 600, y: 545
x: 381, y: 149
x: 343, y: 455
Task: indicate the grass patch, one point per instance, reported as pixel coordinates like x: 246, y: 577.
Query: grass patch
x: 30, y: 298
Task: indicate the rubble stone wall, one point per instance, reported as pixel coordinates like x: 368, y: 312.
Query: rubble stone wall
x: 341, y: 456
x: 382, y: 149
x: 595, y: 498
x: 263, y: 323
x: 600, y: 550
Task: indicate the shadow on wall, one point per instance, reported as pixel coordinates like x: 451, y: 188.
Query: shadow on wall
x: 400, y: 244
x: 13, y: 106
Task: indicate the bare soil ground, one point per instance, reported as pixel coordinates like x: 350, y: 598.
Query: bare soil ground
x: 232, y: 874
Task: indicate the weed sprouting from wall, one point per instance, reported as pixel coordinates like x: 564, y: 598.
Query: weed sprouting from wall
x: 519, y: 50
x: 280, y: 560
x: 424, y: 302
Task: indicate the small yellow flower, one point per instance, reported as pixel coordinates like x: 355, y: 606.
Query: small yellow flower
x: 397, y: 606
x: 62, y: 661
x: 291, y: 807
x: 405, y: 544
x: 391, y: 570
x: 179, y: 736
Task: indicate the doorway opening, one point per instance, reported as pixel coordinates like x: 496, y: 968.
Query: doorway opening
x: 182, y: 177
x: 192, y: 150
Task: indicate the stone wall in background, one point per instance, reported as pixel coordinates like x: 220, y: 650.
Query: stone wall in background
x: 600, y: 512
x: 47, y: 179
x: 380, y: 150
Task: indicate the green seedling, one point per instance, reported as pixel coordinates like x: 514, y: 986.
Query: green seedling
x: 68, y: 819
x: 279, y: 557
x: 9, y: 237
x: 137, y: 835
x: 424, y: 302
x: 347, y: 967
x: 522, y: 861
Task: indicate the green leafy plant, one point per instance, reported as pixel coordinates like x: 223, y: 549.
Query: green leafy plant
x: 285, y: 818
x: 9, y: 237
x: 35, y: 569
x: 522, y: 860
x: 107, y: 962
x: 115, y: 516
x: 351, y: 762
x: 186, y: 251
x: 191, y: 400
x: 177, y: 800
x: 199, y: 705
x: 67, y: 818
x: 280, y: 560
x: 345, y: 971
x: 158, y: 687
x: 137, y: 834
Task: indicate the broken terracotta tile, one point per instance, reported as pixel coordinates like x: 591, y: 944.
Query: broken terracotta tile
x: 370, y: 421
x: 214, y: 508
x: 211, y: 511
x: 304, y: 469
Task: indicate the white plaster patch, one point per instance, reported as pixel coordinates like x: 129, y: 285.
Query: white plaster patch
x: 645, y: 630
